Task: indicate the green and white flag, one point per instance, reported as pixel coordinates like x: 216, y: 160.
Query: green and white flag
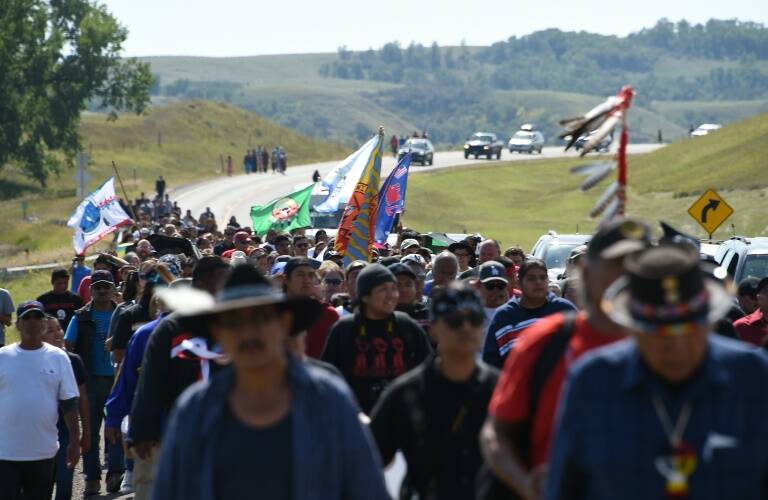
x: 283, y: 214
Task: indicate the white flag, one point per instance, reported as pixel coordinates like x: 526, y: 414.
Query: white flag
x: 341, y: 181
x: 98, y: 215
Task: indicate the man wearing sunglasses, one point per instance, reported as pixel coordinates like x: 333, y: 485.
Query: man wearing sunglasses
x: 493, y: 286
x: 434, y: 413
x: 86, y: 334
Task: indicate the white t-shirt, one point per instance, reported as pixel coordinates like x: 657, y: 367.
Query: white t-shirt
x: 31, y: 385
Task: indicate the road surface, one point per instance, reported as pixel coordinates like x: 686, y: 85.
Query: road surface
x: 227, y: 196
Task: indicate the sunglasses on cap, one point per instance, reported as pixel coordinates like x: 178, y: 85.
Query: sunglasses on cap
x: 495, y: 285
x: 454, y: 320
x: 333, y: 281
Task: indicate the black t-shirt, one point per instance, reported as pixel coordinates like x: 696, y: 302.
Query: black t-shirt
x: 254, y: 460
x: 125, y: 322
x: 162, y: 378
x: 371, y: 353
x: 61, y: 307
x: 436, y: 424
x: 78, y: 367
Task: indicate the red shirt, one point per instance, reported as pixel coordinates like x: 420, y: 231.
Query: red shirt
x: 511, y: 399
x: 319, y: 331
x: 752, y: 328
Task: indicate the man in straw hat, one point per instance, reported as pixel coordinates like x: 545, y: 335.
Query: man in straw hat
x: 673, y: 412
x: 268, y: 425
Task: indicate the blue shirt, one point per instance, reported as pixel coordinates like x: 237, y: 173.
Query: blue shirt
x: 120, y: 401
x: 510, y: 320
x: 610, y: 443
x: 101, y: 362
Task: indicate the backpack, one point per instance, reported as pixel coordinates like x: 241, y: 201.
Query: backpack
x: 489, y: 487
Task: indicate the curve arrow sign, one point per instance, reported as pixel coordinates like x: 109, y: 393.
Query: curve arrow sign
x: 712, y: 205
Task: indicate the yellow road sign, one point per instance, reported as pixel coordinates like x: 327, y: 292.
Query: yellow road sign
x: 710, y: 211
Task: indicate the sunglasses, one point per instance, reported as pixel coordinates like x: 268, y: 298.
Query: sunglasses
x: 102, y: 286
x: 494, y: 285
x: 33, y: 315
x: 455, y: 320
x: 331, y: 281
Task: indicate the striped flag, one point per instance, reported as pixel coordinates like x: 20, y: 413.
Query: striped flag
x: 358, y: 224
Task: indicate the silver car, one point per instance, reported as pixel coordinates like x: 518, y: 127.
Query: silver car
x: 526, y: 141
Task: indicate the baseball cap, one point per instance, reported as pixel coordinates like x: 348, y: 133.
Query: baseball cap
x: 577, y: 252
x: 410, y: 242
x: 414, y: 257
x: 102, y: 276
x: 619, y: 238
x: 398, y: 269
x: 242, y: 237
x: 28, y: 307
x: 297, y: 262
x: 491, y: 271
x: 458, y: 296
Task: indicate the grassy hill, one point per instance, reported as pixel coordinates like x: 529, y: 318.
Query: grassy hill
x: 684, y: 75
x: 516, y: 202
x: 183, y: 141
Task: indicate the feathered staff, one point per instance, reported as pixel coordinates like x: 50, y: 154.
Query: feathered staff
x: 601, y: 121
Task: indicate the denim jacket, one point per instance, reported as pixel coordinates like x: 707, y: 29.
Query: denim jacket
x: 334, y: 454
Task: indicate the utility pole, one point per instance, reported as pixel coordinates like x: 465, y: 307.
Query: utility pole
x: 81, y: 176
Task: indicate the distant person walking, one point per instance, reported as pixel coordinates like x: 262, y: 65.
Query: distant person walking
x: 394, y: 143
x: 229, y: 166
x: 160, y: 186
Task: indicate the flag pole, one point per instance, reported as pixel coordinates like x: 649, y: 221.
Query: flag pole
x: 122, y: 188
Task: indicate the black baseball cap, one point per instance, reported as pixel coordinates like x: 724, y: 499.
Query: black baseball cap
x: 398, y: 269
x: 297, y: 262
x: 28, y: 307
x: 457, y: 296
x: 102, y: 276
x: 493, y: 271
x: 619, y: 238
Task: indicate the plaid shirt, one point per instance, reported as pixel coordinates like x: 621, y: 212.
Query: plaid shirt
x: 609, y: 438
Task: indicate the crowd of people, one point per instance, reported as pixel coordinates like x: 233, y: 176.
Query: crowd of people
x: 267, y: 365
x: 259, y: 160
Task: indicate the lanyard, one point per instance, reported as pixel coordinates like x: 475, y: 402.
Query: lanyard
x: 674, y: 433
x: 681, y: 461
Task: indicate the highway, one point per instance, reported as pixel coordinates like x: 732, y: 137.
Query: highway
x: 227, y: 196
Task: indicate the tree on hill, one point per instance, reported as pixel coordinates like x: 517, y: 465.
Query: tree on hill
x: 55, y: 58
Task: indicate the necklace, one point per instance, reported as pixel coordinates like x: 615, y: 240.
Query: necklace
x: 680, y: 463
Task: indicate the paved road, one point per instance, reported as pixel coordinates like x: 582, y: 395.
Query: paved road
x: 227, y: 196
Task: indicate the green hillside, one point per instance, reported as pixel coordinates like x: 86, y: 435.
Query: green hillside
x: 193, y: 138
x: 684, y: 75
x: 516, y: 202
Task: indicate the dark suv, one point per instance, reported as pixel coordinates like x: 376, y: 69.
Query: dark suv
x: 483, y: 143
x: 744, y: 257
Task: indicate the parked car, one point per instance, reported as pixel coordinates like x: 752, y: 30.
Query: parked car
x: 421, y: 151
x: 526, y: 141
x: 554, y: 249
x: 483, y: 143
x: 603, y: 147
x: 744, y: 257
x: 705, y: 129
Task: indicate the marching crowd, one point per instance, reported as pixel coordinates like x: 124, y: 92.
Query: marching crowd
x: 265, y: 365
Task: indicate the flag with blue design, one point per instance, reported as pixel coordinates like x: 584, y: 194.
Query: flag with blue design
x: 392, y: 199
x: 358, y: 224
x: 97, y: 216
x: 341, y: 181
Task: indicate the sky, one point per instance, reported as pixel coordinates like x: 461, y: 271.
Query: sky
x: 225, y: 28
